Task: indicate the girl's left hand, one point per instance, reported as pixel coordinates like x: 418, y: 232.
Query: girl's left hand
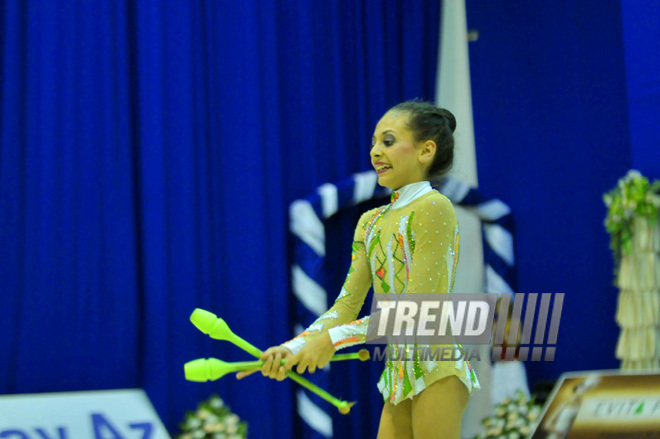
x: 316, y: 353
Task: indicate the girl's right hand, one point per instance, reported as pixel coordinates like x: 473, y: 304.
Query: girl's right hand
x: 272, y: 368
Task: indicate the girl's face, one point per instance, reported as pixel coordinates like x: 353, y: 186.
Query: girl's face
x: 394, y: 154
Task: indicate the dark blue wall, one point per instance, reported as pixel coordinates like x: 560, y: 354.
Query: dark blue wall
x: 641, y: 36
x: 552, y: 134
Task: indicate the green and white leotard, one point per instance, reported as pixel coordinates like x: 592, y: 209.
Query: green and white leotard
x: 408, y: 246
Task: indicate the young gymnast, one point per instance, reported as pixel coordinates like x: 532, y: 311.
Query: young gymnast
x: 408, y: 246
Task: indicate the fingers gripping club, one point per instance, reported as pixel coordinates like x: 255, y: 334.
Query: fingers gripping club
x: 213, y: 369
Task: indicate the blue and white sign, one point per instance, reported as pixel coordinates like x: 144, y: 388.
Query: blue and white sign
x: 108, y: 414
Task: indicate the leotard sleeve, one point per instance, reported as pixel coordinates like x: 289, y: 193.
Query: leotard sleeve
x: 352, y: 295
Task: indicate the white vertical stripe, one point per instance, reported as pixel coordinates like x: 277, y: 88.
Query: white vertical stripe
x: 453, y: 87
x: 329, y: 201
x: 500, y: 241
x: 306, y: 225
x: 454, y: 93
x: 508, y: 377
x: 492, y: 210
x: 495, y: 284
x: 313, y: 415
x: 365, y: 184
x: 311, y: 295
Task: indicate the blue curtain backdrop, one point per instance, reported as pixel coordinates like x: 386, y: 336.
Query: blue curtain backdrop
x: 149, y: 152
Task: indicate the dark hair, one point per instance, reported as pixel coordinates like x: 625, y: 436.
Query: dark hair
x: 428, y: 122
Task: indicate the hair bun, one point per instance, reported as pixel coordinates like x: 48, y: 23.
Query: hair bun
x: 451, y: 120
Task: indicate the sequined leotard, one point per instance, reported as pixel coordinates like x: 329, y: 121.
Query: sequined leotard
x: 408, y: 246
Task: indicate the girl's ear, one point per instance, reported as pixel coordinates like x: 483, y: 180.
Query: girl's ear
x: 427, y: 152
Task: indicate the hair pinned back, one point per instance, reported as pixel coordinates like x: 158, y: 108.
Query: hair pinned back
x: 428, y: 122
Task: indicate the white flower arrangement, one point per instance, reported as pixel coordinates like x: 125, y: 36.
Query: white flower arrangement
x: 513, y: 418
x: 633, y: 196
x: 212, y: 420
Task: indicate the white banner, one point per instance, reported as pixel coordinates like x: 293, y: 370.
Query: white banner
x: 108, y: 414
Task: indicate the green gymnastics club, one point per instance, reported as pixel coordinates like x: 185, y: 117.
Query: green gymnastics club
x: 217, y: 328
x: 211, y: 369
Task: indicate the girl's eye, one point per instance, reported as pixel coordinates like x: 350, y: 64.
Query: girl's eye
x: 387, y: 141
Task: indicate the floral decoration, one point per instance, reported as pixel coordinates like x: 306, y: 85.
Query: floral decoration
x: 633, y: 196
x: 212, y: 420
x: 514, y: 418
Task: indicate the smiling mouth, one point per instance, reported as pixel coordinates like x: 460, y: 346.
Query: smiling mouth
x: 383, y: 170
